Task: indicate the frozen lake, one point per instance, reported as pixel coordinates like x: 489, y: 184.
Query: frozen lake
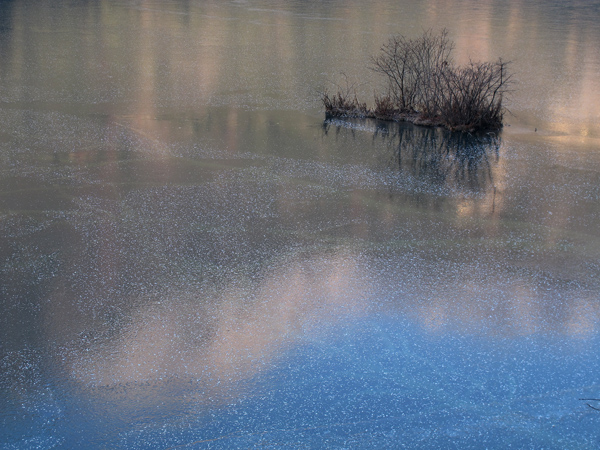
x: 191, y: 257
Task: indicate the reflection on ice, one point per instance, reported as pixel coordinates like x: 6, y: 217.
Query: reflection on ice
x: 244, y: 329
x: 456, y: 160
x: 234, y: 336
x: 187, y: 260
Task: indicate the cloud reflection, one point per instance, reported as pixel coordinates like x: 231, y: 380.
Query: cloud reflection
x: 245, y: 329
x: 237, y: 335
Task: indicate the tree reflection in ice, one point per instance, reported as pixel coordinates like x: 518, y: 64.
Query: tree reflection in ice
x: 457, y: 160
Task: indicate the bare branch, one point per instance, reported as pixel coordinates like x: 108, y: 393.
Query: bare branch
x: 424, y: 85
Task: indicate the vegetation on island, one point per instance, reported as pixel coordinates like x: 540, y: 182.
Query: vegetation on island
x: 425, y: 87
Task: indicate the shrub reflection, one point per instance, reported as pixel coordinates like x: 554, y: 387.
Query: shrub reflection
x: 454, y: 159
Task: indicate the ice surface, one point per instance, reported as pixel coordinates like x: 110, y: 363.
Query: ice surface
x: 192, y: 257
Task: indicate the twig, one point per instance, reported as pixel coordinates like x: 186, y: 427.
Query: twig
x: 591, y: 400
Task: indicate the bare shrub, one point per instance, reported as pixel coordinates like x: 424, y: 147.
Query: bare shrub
x: 412, y: 68
x: 425, y: 87
x: 473, y: 95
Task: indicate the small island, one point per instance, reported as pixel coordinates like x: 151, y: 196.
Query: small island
x: 425, y: 87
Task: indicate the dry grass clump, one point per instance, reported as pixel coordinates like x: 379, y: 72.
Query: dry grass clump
x: 344, y: 103
x: 385, y: 108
